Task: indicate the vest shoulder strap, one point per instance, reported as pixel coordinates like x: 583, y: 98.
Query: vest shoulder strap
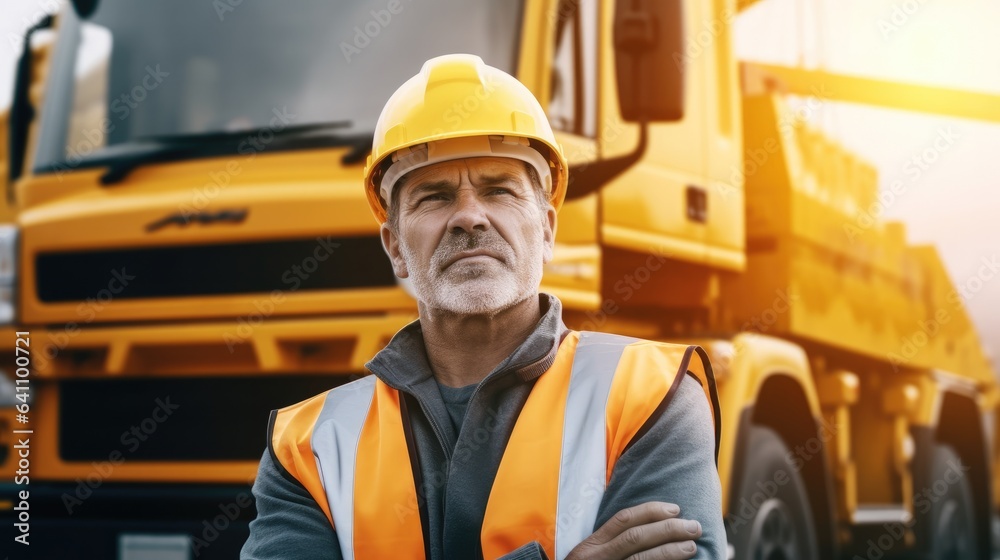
x: 646, y: 377
x: 289, y: 438
x: 646, y: 380
x: 348, y: 448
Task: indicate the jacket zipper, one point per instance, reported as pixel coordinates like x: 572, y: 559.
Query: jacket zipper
x: 437, y: 432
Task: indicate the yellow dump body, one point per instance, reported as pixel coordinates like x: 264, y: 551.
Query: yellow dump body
x: 840, y: 276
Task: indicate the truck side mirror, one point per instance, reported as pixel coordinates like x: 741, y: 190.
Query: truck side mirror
x: 21, y: 110
x: 649, y: 62
x: 84, y: 8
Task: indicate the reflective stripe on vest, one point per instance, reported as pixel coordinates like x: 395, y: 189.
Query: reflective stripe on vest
x: 335, y: 442
x: 350, y: 442
x: 584, y: 458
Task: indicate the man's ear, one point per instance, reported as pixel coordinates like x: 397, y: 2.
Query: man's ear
x: 390, y: 242
x: 549, y: 233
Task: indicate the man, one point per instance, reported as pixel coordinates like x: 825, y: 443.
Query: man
x: 488, y: 429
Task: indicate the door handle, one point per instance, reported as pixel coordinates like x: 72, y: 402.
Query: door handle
x: 697, y: 204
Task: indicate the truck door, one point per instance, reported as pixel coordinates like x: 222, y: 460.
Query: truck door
x: 724, y: 214
x: 653, y: 206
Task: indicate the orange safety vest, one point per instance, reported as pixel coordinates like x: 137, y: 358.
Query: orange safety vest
x: 347, y: 447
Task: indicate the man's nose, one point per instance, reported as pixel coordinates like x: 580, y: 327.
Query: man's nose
x: 469, y: 214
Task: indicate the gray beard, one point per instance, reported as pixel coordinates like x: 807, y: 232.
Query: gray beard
x: 476, y: 288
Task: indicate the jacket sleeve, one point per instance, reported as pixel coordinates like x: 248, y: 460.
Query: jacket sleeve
x: 674, y: 461
x: 530, y: 551
x: 289, y: 523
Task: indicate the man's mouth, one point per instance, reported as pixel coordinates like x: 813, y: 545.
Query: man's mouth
x: 475, y: 253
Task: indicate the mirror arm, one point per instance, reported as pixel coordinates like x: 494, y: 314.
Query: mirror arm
x: 589, y: 177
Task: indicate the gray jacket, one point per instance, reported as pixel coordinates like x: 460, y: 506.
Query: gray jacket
x: 673, y: 461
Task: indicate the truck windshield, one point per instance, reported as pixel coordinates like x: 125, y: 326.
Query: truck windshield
x: 136, y: 73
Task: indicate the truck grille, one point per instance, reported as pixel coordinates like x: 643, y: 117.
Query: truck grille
x: 176, y: 419
x: 323, y: 263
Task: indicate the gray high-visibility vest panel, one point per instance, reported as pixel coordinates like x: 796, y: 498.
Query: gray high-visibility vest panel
x: 583, y: 460
x: 335, y: 446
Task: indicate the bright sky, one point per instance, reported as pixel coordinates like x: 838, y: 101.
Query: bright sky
x: 955, y: 205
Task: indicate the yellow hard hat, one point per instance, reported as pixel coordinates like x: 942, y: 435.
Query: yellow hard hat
x: 459, y: 107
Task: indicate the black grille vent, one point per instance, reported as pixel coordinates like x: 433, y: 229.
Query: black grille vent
x: 176, y: 419
x: 194, y: 270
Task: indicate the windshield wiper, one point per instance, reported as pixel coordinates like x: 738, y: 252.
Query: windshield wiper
x: 172, y: 148
x: 229, y: 135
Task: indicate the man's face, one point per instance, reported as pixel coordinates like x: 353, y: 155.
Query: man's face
x: 471, y: 235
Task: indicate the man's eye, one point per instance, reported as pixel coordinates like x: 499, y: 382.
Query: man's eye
x: 501, y: 190
x: 432, y: 197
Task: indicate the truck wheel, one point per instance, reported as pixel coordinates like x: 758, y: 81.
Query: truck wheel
x: 949, y: 526
x: 770, y: 518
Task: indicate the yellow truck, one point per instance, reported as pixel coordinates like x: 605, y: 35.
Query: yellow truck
x: 192, y: 248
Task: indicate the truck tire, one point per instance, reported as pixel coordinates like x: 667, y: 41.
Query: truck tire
x: 948, y: 527
x: 770, y: 518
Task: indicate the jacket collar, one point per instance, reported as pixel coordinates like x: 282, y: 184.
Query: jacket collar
x: 403, y: 363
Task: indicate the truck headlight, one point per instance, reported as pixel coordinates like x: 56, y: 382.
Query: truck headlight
x: 8, y: 273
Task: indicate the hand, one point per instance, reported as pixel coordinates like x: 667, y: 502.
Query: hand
x: 649, y: 531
